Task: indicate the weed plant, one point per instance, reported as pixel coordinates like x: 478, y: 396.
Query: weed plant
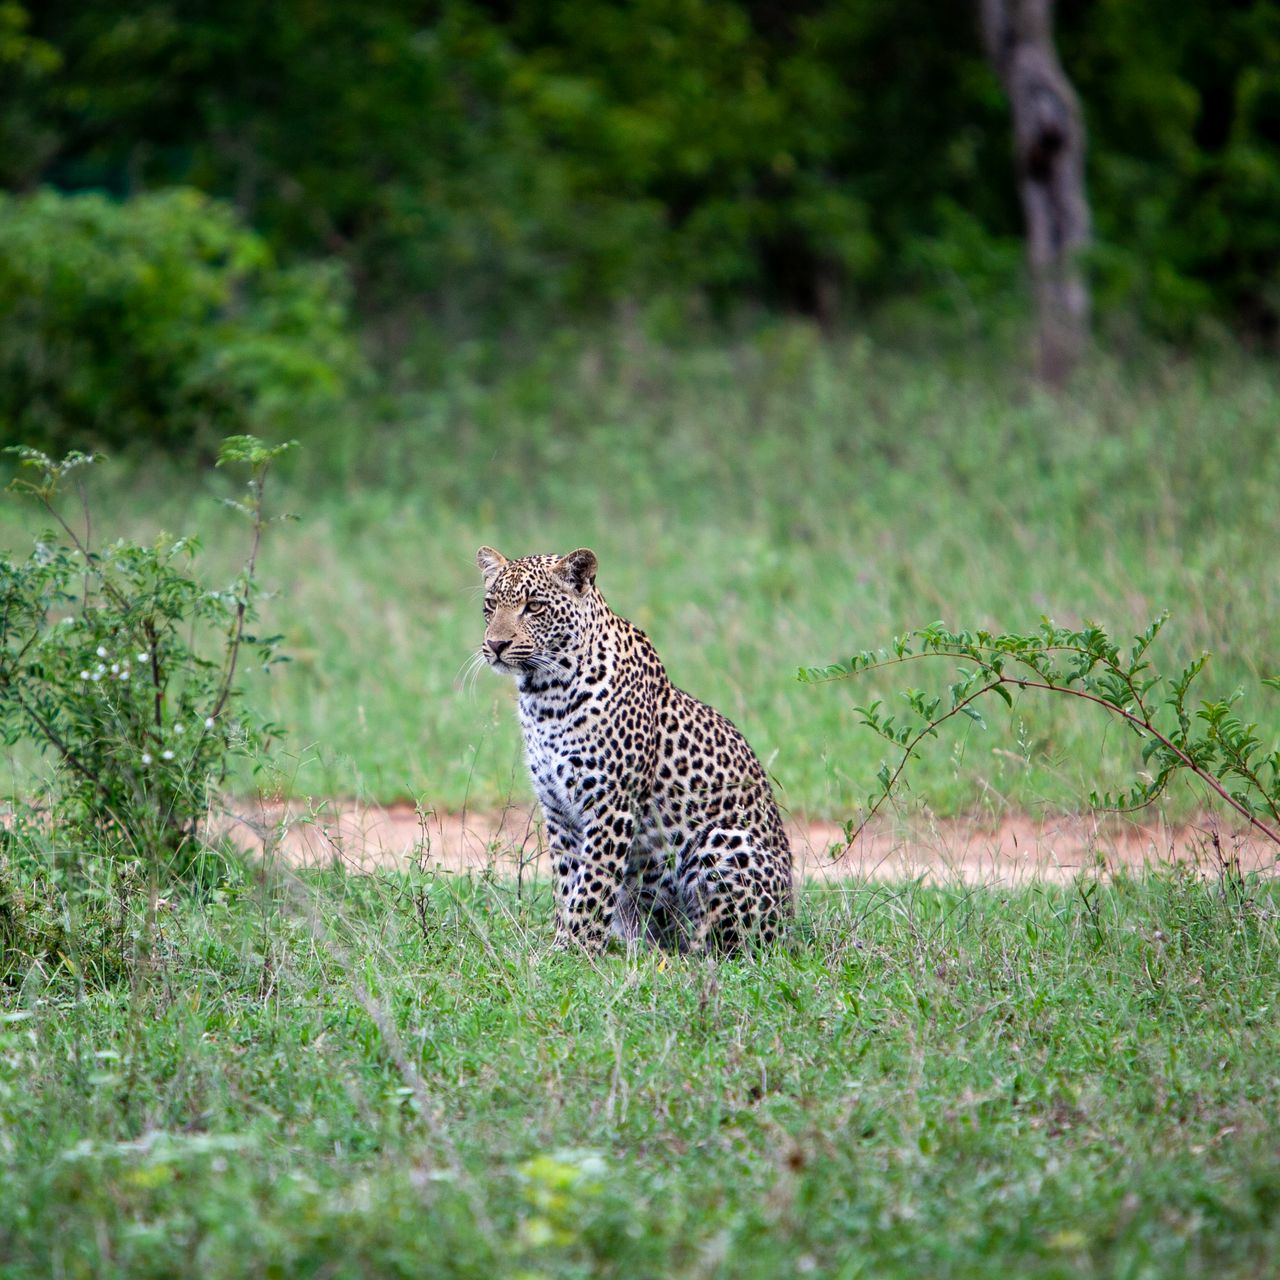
x: 1178, y: 735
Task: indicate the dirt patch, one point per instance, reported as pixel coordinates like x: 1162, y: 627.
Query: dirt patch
x: 1013, y: 850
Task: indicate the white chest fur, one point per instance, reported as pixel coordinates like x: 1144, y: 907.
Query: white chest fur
x: 557, y: 743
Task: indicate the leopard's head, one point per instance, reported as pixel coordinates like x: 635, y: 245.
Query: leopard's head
x: 537, y: 608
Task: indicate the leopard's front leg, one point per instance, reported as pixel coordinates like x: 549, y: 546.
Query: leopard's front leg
x: 564, y: 847
x: 588, y: 894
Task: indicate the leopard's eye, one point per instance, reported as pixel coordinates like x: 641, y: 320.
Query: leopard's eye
x: 488, y: 604
x: 534, y: 606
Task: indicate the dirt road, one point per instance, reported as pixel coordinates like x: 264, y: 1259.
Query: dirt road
x: 973, y: 851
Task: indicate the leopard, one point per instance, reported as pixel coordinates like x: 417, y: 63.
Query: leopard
x: 660, y: 820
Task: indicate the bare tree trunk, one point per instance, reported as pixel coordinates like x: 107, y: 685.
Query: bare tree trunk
x: 1048, y: 142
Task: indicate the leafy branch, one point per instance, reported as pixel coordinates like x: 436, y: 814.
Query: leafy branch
x: 1209, y: 740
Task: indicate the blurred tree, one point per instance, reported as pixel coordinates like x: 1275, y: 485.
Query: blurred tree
x: 1048, y: 140
x: 1183, y: 105
x: 26, y: 64
x: 509, y: 158
x: 488, y: 164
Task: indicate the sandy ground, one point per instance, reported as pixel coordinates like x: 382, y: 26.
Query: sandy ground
x: 1013, y: 850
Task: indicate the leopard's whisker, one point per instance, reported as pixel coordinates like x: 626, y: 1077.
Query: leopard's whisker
x: 470, y: 673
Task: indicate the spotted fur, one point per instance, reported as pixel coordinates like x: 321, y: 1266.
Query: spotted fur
x: 661, y: 820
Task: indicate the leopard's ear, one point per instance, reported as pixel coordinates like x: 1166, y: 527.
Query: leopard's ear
x: 490, y: 562
x: 577, y: 570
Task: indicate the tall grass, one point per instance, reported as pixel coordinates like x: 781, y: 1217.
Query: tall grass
x: 757, y: 505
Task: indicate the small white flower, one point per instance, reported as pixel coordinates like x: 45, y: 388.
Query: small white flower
x: 102, y: 653
x: 84, y: 675
x: 101, y: 668
x: 146, y: 757
x: 144, y: 657
x: 124, y: 675
x: 208, y: 722
x: 179, y: 728
x: 97, y: 675
x: 167, y: 755
x: 68, y: 622
x: 115, y: 668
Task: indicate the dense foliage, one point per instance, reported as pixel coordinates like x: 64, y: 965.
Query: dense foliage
x: 161, y: 319
x: 496, y: 159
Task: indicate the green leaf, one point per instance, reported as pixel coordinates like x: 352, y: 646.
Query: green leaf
x: 250, y: 449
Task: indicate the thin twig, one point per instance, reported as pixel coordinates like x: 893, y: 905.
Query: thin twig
x: 242, y: 604
x: 1147, y: 727
x: 902, y: 764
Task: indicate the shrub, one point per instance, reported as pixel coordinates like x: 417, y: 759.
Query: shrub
x: 121, y: 666
x: 158, y: 321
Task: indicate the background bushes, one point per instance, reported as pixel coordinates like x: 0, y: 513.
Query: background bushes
x: 161, y: 319
x: 484, y: 164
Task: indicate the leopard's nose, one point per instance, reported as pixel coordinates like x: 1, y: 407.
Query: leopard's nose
x: 496, y: 647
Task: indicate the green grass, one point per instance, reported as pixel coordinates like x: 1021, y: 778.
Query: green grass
x: 757, y: 505
x: 394, y: 1075
x: 953, y: 1082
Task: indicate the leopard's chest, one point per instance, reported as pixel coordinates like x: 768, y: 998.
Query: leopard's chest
x: 565, y: 731
x: 588, y: 737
